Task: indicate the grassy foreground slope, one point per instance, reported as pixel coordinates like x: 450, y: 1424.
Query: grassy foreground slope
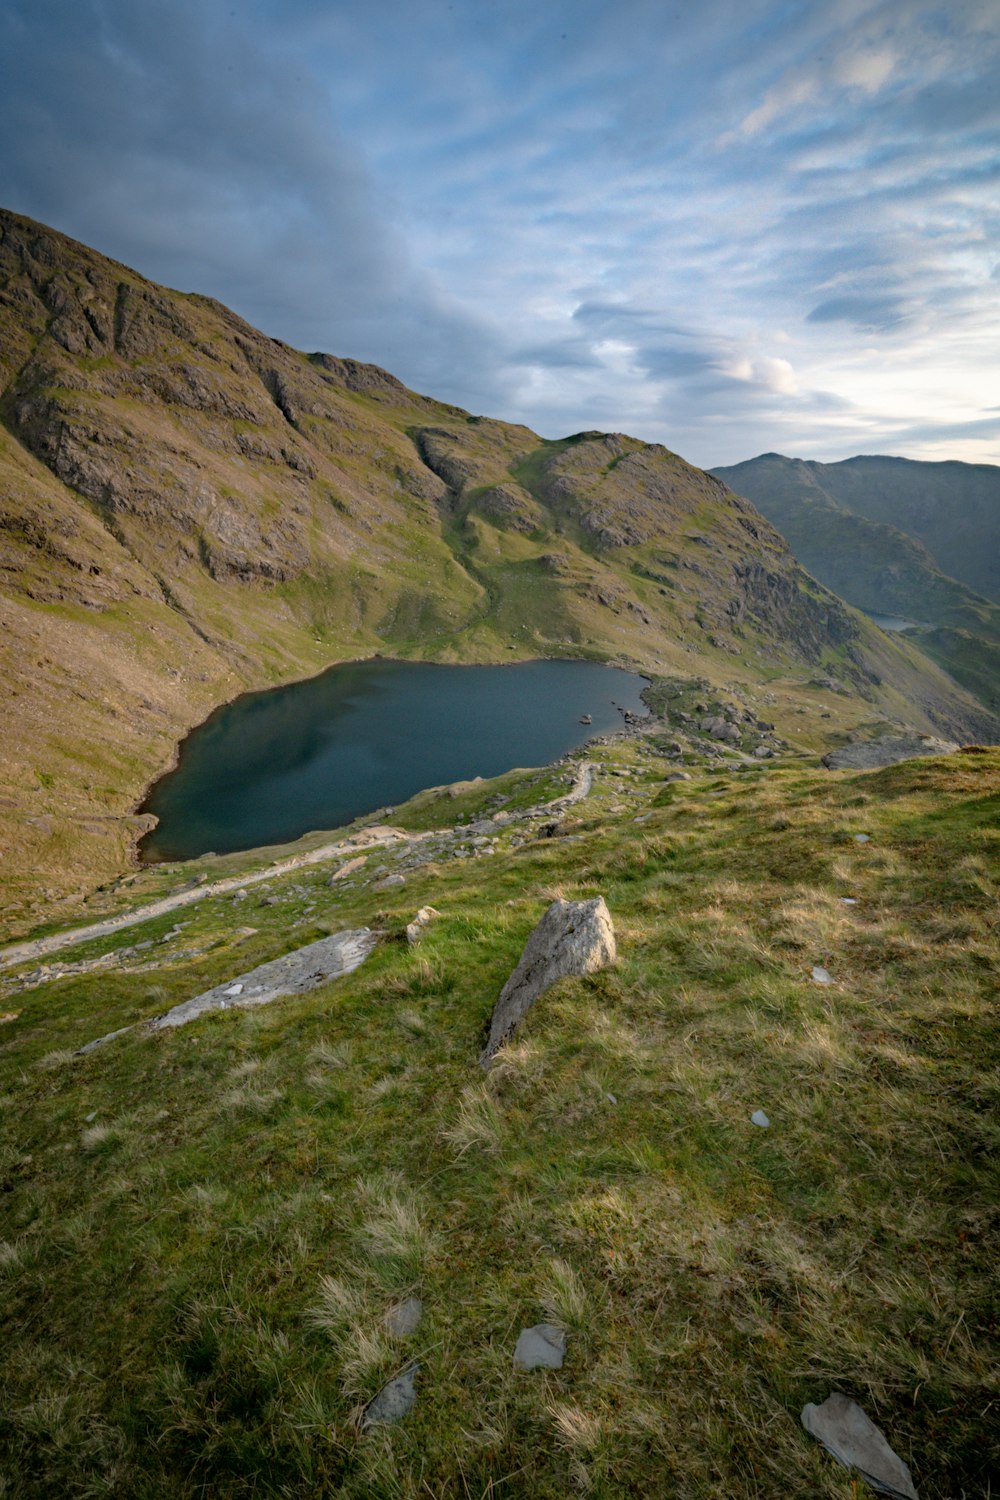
x: 203, y: 1230
x: 189, y: 508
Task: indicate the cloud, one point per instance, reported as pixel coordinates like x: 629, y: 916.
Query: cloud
x: 568, y: 215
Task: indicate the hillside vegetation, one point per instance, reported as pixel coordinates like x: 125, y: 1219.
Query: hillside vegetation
x: 204, y: 1230
x: 189, y: 508
x: 898, y: 537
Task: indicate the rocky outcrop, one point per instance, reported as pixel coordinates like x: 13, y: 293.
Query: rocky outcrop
x: 868, y: 755
x: 573, y: 938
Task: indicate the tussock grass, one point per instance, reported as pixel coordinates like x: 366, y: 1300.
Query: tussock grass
x: 196, y: 1279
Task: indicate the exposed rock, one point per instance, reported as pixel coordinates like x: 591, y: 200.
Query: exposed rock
x: 316, y: 963
x: 350, y: 868
x: 389, y: 882
x: 854, y: 1440
x: 573, y: 938
x: 394, y: 1400
x: 868, y: 755
x: 415, y: 929
x: 678, y: 776
x: 760, y: 1119
x: 544, y: 1345
x: 404, y: 1318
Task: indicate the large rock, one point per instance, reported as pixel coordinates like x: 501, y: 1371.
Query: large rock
x: 312, y: 965
x: 573, y: 938
x: 852, y: 1437
x: 868, y: 755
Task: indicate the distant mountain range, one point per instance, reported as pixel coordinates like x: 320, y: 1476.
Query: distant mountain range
x: 897, y: 537
x: 189, y: 508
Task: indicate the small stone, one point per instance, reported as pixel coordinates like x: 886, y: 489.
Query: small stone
x: 404, y: 1318
x: 821, y: 975
x: 89, y: 1119
x: 862, y: 838
x: 678, y: 776
x: 415, y: 929
x: 848, y: 901
x: 234, y: 989
x: 388, y: 883
x: 394, y: 1400
x: 541, y: 1346
x: 760, y: 1118
x: 612, y: 1099
x: 854, y: 1440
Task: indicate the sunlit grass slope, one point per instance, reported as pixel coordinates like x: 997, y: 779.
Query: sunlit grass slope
x: 203, y: 1230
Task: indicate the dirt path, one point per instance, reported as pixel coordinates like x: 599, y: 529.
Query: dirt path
x: 374, y: 838
x: 377, y: 837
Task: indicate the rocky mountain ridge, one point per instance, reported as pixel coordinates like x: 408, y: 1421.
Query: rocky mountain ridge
x: 898, y: 537
x: 190, y: 508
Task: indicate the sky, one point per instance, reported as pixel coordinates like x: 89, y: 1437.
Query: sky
x: 729, y: 226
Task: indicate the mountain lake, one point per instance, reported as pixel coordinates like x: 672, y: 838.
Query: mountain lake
x: 271, y: 766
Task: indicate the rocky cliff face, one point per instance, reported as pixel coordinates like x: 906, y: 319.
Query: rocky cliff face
x: 189, y: 508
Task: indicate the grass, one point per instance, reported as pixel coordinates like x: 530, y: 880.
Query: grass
x: 202, y: 1232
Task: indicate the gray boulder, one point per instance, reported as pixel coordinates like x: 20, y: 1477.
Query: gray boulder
x: 868, y: 755
x: 854, y: 1440
x: 544, y: 1345
x: 404, y: 1318
x: 394, y: 1400
x: 573, y: 938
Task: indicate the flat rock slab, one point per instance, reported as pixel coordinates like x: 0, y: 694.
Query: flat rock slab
x: 543, y: 1345
x: 573, y: 938
x: 854, y: 1440
x: 868, y: 755
x: 404, y: 1318
x: 394, y: 1400
x: 305, y: 969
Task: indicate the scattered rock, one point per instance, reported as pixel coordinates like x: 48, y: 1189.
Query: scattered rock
x: 357, y: 863
x: 762, y: 752
x: 543, y: 1345
x: 573, y: 938
x: 678, y: 776
x: 10, y: 1015
x: 862, y: 838
x: 394, y: 1400
x: 388, y: 883
x: 848, y: 901
x: 868, y: 755
x: 314, y: 964
x: 821, y: 975
x: 404, y: 1318
x: 415, y: 929
x: 854, y: 1440
x: 760, y: 1118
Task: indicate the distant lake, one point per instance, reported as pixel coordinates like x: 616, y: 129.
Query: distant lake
x: 317, y: 754
x: 891, y: 622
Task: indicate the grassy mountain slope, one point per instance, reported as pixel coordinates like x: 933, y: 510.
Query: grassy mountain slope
x: 887, y: 535
x: 204, y: 1230
x: 190, y: 509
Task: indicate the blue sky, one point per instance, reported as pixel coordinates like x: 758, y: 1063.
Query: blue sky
x: 727, y: 227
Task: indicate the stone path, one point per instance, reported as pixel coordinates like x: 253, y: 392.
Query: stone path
x: 368, y: 839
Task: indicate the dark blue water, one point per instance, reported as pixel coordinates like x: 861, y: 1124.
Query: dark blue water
x: 273, y: 766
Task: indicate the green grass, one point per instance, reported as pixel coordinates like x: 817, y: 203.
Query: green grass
x: 203, y: 1230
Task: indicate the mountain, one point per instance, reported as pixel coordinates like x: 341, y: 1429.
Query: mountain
x: 897, y: 537
x: 189, y: 508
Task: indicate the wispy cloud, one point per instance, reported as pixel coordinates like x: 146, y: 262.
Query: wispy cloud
x: 729, y: 229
